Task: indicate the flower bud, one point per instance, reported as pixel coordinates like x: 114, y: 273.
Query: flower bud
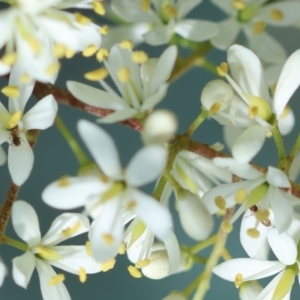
x: 159, y: 127
x: 195, y: 218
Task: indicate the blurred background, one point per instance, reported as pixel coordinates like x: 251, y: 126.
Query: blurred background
x: 54, y: 159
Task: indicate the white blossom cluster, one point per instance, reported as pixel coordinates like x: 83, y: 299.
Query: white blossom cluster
x: 250, y: 99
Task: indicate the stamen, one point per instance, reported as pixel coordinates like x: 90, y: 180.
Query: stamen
x: 99, y: 8
x: 15, y: 119
x: 64, y: 181
x: 215, y: 108
x: 102, y: 55
x: 142, y: 263
x: 52, y: 68
x: 104, y: 30
x: 226, y: 226
x: 9, y: 58
x: 108, y: 265
x: 145, y: 5
x: 88, y: 248
x: 59, y: 278
x: 238, y: 4
x: 222, y: 69
x: 96, y: 75
x: 82, y: 275
x: 127, y: 44
x: 139, y: 57
x: 122, y: 249
x: 238, y: 280
x: 89, y: 51
x: 253, y: 233
x: 69, y: 53
x: 47, y: 253
x: 262, y: 215
x: 134, y: 272
x: 81, y: 19
x: 11, y: 91
x: 70, y: 231
x: 240, y: 196
x: 59, y: 50
x: 124, y: 74
x: 277, y: 14
x: 221, y: 204
x: 170, y: 11
x: 108, y: 239
x: 259, y: 27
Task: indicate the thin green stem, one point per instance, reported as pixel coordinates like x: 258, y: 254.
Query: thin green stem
x: 282, y: 165
x: 207, y: 65
x: 293, y: 152
x: 78, y: 152
x: 175, y: 185
x: 197, y: 122
x: 200, y: 259
x: 191, y: 287
x: 14, y: 243
x: 204, y: 244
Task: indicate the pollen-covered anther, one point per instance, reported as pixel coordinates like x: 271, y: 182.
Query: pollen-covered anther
x: 47, y: 253
x: 221, y: 204
x: 222, y: 69
x: 64, y: 181
x: 240, y: 196
x: 259, y: 27
x: 170, y: 11
x: 215, y: 108
x: 134, y: 272
x: 108, y: 265
x: 34, y: 44
x: 142, y: 263
x: 59, y: 278
x: 226, y: 226
x: 89, y: 51
x: 145, y: 5
x: 53, y: 68
x: 253, y: 233
x: 104, y: 30
x: 14, y: 119
x: 122, y: 249
x: 59, y: 50
x: 81, y: 19
x: 124, y: 74
x: 277, y: 14
x: 262, y: 215
x: 88, y: 248
x: 99, y: 8
x: 82, y: 275
x: 108, y: 239
x: 9, y: 58
x: 238, y: 280
x: 238, y: 4
x: 70, y: 231
x: 127, y: 44
x: 102, y: 55
x: 69, y: 53
x: 11, y: 91
x: 139, y: 57
x: 96, y: 75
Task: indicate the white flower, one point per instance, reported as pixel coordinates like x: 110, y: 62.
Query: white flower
x: 3, y: 272
x: 164, y: 19
x: 118, y: 191
x: 38, y: 29
x: 14, y: 124
x: 251, y: 17
x: 43, y: 253
x: 141, y: 86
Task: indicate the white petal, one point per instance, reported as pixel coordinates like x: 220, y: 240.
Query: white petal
x: 286, y: 122
x: 76, y: 193
x: 283, y: 246
x: 23, y: 267
x: 157, y: 36
x: 277, y: 178
x: 118, y: 116
x: 146, y: 165
x: 42, y: 115
x: 59, y: 228
x: 173, y: 250
x: 58, y: 291
x: 20, y: 161
x: 102, y: 148
x: 3, y: 272
x: 288, y: 82
x: 2, y: 156
x: 25, y: 222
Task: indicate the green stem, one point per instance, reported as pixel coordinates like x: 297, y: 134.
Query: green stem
x: 159, y: 188
x: 175, y: 185
x: 293, y: 152
x: 14, y: 243
x: 191, y: 287
x: 197, y: 122
x: 199, y: 259
x: 78, y: 152
x: 282, y: 165
x: 208, y: 65
x: 202, y: 245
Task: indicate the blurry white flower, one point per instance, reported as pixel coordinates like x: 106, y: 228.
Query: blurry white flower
x: 3, y: 272
x: 141, y: 86
x: 14, y: 124
x: 43, y: 253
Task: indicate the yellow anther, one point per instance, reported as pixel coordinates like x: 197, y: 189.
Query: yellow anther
x: 277, y: 14
x: 89, y: 51
x: 127, y: 44
x: 47, y: 253
x: 139, y: 57
x: 70, y: 231
x: 170, y: 11
x: 81, y: 19
x: 238, y: 4
x: 262, y: 215
x: 64, y: 181
x: 11, y: 91
x: 69, y: 53
x: 122, y: 249
x: 102, y: 55
x: 25, y: 78
x: 142, y: 263
x: 253, y: 233
x: 145, y: 5
x: 108, y: 265
x: 104, y: 30
x: 220, y: 202
x: 134, y: 272
x: 259, y: 27
x: 82, y: 275
x: 34, y: 44
x: 88, y: 248
x: 238, y: 280
x: 53, y: 68
x: 14, y: 119
x: 108, y: 239
x: 59, y: 278
x: 59, y: 50
x: 215, y: 108
x: 96, y: 75
x: 99, y: 8
x: 131, y: 204
x: 240, y: 196
x: 259, y: 107
x: 9, y: 58
x: 124, y: 74
x: 226, y: 226
x: 253, y: 111
x: 222, y: 69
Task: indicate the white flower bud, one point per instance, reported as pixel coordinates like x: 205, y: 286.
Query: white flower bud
x: 159, y: 127
x: 194, y: 217
x: 216, y: 96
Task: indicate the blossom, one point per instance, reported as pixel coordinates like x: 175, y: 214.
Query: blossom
x: 43, y: 252
x: 3, y: 272
x: 14, y: 124
x: 163, y: 20
x: 115, y: 192
x: 39, y: 32
x: 141, y: 87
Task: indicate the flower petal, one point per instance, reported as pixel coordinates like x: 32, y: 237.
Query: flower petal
x: 172, y: 247
x: 277, y: 178
x: 118, y: 116
x: 157, y: 36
